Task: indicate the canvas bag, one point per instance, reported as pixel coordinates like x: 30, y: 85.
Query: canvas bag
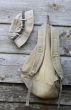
x: 42, y: 72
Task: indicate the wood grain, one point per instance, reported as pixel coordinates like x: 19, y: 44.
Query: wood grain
x: 10, y: 65
x: 20, y: 106
x: 58, y: 10
x: 11, y: 93
x: 12, y: 90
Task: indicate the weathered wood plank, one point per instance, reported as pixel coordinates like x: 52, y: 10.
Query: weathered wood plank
x: 12, y: 96
x: 10, y: 68
x: 58, y: 10
x: 66, y: 64
x: 17, y: 93
x: 65, y: 39
x: 55, y: 108
x: 9, y: 9
x: 17, y: 106
x: 20, y: 106
x: 7, y: 46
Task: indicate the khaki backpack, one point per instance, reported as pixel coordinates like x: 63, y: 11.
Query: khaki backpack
x: 42, y: 72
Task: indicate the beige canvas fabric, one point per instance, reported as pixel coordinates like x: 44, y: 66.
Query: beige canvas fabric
x: 17, y: 26
x: 55, y: 54
x: 40, y: 66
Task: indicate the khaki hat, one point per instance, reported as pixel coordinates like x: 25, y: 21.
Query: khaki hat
x: 21, y: 27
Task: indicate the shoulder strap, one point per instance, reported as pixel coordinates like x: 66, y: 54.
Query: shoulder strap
x: 55, y: 52
x: 40, y: 50
x: 56, y: 58
x: 39, y: 56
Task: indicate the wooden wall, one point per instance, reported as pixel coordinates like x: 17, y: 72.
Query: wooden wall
x: 12, y: 89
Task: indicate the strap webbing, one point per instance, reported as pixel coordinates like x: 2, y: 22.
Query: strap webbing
x: 29, y: 92
x: 56, y: 58
x: 23, y: 24
x: 55, y: 52
x: 60, y: 91
x: 23, y: 19
x: 40, y: 49
x: 39, y: 56
x: 39, y: 52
